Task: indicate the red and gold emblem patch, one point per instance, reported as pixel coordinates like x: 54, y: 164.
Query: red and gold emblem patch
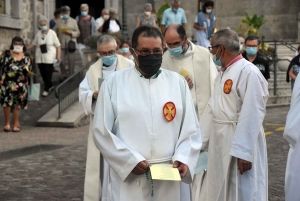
x: 227, y: 86
x: 169, y: 111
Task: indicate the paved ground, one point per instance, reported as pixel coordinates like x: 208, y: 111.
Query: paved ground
x: 59, y: 174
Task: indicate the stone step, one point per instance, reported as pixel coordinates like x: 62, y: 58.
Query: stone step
x: 281, y: 90
x: 279, y: 99
x: 280, y: 82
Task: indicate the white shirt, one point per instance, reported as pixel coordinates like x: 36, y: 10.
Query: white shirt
x: 113, y: 26
x: 99, y: 22
x: 52, y: 42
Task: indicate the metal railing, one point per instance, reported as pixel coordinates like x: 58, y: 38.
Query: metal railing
x: 67, y: 91
x: 274, y: 56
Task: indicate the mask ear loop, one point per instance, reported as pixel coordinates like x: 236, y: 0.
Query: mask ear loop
x: 136, y: 56
x: 217, y: 53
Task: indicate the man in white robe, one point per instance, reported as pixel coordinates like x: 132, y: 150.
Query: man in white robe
x: 88, y: 93
x: 231, y: 126
x: 143, y: 116
x: 292, y: 135
x: 201, y: 73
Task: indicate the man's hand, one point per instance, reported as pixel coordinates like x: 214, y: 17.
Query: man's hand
x: 189, y: 81
x: 141, y: 168
x: 95, y: 94
x: 182, y: 168
x: 243, y: 165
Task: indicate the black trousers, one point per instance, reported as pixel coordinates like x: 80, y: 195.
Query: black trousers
x: 46, y: 71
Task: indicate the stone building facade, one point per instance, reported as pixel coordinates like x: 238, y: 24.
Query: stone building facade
x: 17, y: 19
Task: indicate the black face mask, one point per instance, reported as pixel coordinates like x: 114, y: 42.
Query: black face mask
x: 150, y: 64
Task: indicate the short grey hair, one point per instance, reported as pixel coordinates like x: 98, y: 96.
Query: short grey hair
x: 103, y: 10
x: 105, y: 39
x: 112, y: 11
x: 228, y: 39
x: 176, y: 1
x: 65, y: 9
x: 84, y: 5
x: 148, y: 5
x: 43, y: 18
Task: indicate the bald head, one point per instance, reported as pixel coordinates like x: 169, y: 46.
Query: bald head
x: 228, y: 39
x: 175, y: 32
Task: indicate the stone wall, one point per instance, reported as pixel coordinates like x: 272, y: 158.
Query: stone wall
x: 281, y: 16
x: 6, y: 34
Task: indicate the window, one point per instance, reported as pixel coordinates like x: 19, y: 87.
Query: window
x: 2, y: 6
x: 200, y: 4
x: 11, y: 14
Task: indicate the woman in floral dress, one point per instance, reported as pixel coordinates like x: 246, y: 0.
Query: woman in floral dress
x: 15, y: 69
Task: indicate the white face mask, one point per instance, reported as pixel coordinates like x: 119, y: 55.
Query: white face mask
x: 18, y: 48
x: 105, y: 17
x: 147, y: 13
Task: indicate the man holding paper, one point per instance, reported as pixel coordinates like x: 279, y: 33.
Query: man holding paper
x: 88, y: 93
x: 232, y: 126
x: 145, y: 117
x: 195, y: 64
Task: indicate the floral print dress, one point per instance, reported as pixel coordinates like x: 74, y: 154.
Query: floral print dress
x: 14, y: 80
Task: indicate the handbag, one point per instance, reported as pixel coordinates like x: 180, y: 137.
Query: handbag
x: 43, y: 48
x: 71, y: 46
x: 34, y: 91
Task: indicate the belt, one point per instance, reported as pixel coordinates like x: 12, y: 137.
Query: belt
x: 160, y: 160
x: 218, y: 121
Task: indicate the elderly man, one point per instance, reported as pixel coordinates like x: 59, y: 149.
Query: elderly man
x: 100, y: 21
x: 88, y: 94
x: 86, y: 25
x: 67, y: 30
x: 292, y: 136
x: 196, y: 61
x: 156, y: 124
x: 232, y: 126
x: 173, y: 15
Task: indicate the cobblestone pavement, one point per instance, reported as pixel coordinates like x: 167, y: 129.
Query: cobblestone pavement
x: 59, y: 174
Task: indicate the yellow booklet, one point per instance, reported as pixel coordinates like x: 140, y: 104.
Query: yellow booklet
x: 184, y: 72
x: 63, y: 29
x: 164, y: 172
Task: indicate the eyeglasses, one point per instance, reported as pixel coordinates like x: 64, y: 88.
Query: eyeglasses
x: 147, y: 52
x: 211, y: 47
x: 251, y: 45
x: 109, y: 53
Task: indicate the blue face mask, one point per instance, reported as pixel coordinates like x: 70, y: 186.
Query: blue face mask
x: 44, y: 28
x: 84, y: 13
x: 208, y: 10
x: 217, y: 61
x: 125, y: 50
x: 108, y: 60
x: 251, y: 51
x: 176, y: 52
x: 65, y: 16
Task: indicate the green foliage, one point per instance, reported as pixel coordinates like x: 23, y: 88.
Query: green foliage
x: 253, y: 24
x: 160, y: 12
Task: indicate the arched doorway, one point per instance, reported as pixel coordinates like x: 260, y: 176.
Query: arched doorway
x: 95, y: 6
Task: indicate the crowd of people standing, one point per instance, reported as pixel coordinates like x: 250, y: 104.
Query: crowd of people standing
x: 181, y: 105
